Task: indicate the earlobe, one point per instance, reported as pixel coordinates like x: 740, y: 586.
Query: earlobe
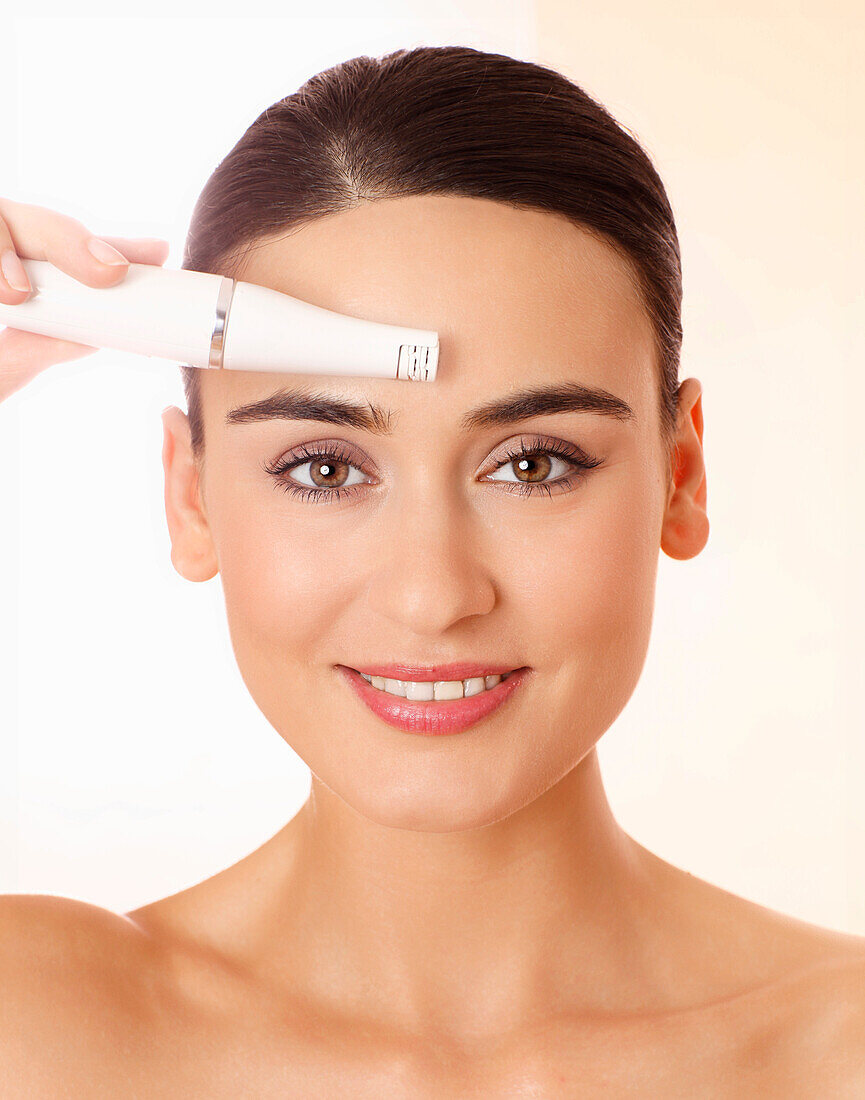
x: 193, y: 554
x: 685, y: 529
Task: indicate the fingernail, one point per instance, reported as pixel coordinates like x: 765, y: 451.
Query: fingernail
x: 13, y: 270
x: 103, y: 252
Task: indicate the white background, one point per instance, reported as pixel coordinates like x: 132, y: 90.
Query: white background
x: 133, y: 762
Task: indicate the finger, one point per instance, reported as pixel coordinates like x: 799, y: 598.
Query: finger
x: 14, y: 284
x: 141, y: 250
x: 38, y: 233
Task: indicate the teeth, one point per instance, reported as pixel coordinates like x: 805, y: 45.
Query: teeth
x: 434, y: 689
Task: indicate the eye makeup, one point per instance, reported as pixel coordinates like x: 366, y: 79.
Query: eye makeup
x: 333, y: 456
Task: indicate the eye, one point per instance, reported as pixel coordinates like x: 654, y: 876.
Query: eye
x: 532, y: 468
x: 535, y: 460
x: 326, y: 473
x: 317, y: 472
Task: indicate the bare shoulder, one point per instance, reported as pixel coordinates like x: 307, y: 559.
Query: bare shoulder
x: 45, y: 936
x: 68, y: 970
x: 807, y: 1026
x: 785, y: 994
x: 827, y: 1033
x: 46, y: 939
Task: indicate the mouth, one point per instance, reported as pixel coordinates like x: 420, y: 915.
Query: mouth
x: 433, y: 706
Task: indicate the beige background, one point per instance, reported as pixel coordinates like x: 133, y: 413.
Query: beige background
x: 132, y: 761
x: 753, y: 118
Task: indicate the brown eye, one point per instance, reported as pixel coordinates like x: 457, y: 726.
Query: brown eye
x: 327, y: 474
x: 323, y: 471
x: 318, y: 472
x: 528, y: 470
x: 532, y: 468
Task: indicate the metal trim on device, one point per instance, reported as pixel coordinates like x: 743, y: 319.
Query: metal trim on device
x: 223, y: 305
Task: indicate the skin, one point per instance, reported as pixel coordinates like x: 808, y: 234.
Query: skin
x: 459, y: 915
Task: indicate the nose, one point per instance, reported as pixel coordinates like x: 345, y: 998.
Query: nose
x: 431, y: 571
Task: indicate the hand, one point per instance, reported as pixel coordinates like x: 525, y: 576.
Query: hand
x: 37, y: 233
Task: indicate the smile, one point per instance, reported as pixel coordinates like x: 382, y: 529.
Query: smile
x: 434, y: 689
x: 433, y: 706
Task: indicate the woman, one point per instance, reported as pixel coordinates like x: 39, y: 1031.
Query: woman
x: 454, y: 911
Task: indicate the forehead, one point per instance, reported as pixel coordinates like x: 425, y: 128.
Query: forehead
x: 517, y: 296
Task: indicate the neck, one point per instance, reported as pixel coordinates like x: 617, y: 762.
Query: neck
x: 463, y: 933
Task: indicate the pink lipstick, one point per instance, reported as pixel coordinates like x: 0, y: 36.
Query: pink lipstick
x: 433, y: 717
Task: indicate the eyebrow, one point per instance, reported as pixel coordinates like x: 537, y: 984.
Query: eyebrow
x: 290, y: 404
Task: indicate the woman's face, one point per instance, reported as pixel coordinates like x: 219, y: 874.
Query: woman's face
x: 430, y: 553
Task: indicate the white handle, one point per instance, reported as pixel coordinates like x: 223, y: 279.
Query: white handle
x: 153, y: 311
x: 193, y: 317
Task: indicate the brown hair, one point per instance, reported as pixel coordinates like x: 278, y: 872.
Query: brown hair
x: 445, y: 120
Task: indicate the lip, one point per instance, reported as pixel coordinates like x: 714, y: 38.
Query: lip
x: 432, y: 718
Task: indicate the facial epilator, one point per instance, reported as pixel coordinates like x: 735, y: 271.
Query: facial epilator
x: 212, y: 321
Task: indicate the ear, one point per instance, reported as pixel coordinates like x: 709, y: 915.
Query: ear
x: 193, y: 554
x: 685, y: 530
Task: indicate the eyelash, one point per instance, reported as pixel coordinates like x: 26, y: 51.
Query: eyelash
x: 579, y: 459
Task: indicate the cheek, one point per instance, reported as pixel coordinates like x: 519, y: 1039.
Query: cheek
x: 284, y: 582
x: 613, y: 568
x: 588, y: 602
x: 593, y: 568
